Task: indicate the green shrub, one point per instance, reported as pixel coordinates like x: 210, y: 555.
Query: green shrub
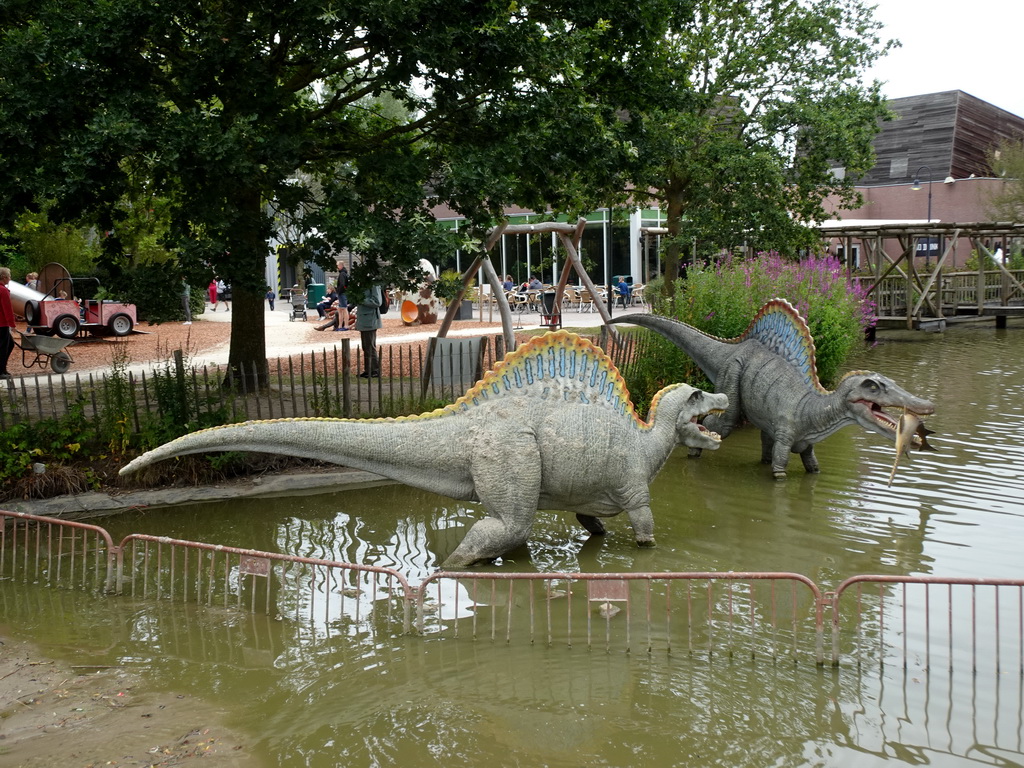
x: 448, y: 285
x: 43, y: 241
x: 155, y: 290
x: 1014, y: 261
x: 51, y: 443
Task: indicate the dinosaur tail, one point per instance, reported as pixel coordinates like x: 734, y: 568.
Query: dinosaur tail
x: 304, y: 438
x: 705, y: 350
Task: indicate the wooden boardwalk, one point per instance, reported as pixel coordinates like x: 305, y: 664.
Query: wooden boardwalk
x: 918, y: 293
x: 952, y: 297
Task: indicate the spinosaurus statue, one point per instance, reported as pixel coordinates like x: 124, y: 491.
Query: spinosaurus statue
x: 551, y: 427
x: 770, y: 376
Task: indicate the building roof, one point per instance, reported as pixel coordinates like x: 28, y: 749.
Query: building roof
x: 935, y: 135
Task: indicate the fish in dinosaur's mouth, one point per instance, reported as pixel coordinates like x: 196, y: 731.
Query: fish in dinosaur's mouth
x: 910, y: 433
x: 921, y: 432
x: 880, y: 415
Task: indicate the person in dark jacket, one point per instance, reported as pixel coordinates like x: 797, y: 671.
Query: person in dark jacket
x: 368, y: 322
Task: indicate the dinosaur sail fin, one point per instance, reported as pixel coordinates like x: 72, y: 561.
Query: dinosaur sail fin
x: 780, y: 328
x: 558, y: 365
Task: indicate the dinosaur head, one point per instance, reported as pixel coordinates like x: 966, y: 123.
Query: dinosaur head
x: 868, y: 394
x: 698, y: 404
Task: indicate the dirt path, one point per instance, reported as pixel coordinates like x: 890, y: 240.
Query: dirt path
x: 206, y: 341
x: 54, y: 714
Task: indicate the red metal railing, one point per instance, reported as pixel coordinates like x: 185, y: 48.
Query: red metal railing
x: 55, y: 552
x: 320, y: 592
x: 979, y: 619
x: 705, y: 612
x: 879, y: 619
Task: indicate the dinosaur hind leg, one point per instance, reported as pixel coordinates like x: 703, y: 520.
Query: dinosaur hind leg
x: 767, y: 447
x: 593, y: 524
x: 488, y: 539
x: 507, y: 479
x: 810, y: 460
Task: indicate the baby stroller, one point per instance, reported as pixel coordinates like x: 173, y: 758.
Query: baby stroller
x: 298, y: 300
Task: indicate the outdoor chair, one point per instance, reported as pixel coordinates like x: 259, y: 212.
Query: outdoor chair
x: 586, y: 301
x: 571, y: 298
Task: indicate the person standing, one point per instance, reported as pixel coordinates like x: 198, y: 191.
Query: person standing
x: 271, y: 297
x: 211, y: 292
x: 6, y: 322
x: 342, y: 282
x: 368, y: 322
x: 342, y: 288
x: 624, y: 292
x: 186, y: 301
x: 222, y: 295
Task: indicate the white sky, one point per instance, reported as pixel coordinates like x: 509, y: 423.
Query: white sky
x: 967, y: 45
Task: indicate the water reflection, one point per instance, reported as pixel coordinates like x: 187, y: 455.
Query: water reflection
x: 414, y: 701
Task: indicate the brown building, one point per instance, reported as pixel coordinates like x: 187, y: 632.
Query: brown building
x: 942, y: 141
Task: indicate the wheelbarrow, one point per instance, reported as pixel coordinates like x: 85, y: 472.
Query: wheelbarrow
x: 47, y: 349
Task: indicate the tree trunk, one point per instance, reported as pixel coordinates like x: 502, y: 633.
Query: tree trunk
x: 674, y: 198
x: 247, y: 356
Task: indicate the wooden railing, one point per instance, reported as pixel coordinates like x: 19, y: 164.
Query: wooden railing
x: 952, y: 291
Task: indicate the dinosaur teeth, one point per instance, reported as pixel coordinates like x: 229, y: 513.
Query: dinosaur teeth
x: 707, y: 432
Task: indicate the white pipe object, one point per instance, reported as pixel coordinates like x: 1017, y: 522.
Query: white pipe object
x: 20, y: 294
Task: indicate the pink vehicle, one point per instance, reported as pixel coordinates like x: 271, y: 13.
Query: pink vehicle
x: 59, y: 312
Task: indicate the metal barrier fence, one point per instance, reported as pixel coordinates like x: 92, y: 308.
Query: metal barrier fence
x: 324, y: 596
x: 772, y: 615
x: 930, y: 621
x: 55, y: 553
x: 925, y: 621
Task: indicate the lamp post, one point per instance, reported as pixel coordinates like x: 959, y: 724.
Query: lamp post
x: 916, y: 186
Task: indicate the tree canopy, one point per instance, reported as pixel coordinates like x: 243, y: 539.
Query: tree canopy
x: 1007, y: 161
x: 243, y: 115
x: 338, y: 125
x: 772, y: 99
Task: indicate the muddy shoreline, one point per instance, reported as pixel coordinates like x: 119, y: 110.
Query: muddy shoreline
x: 298, y: 481
x: 54, y: 713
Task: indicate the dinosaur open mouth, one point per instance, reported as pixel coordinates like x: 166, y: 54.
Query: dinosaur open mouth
x: 705, y: 430
x: 879, y: 414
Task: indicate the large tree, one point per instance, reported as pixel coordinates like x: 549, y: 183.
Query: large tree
x: 245, y: 114
x: 770, y: 100
x: 1007, y: 162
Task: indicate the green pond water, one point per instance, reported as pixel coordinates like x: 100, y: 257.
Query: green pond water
x: 369, y: 696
